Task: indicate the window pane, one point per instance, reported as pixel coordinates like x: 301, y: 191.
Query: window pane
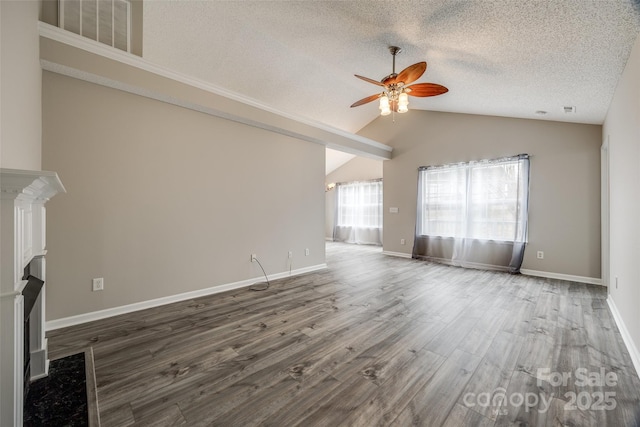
x: 493, y: 201
x: 444, y: 195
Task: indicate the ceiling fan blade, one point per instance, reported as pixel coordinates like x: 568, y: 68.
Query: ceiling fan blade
x: 411, y: 73
x: 365, y: 100
x: 367, y: 79
x: 425, y: 89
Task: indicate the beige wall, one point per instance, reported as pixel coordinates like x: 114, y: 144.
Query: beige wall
x: 20, y: 86
x: 163, y: 200
x: 622, y: 132
x: 356, y: 169
x: 564, y: 215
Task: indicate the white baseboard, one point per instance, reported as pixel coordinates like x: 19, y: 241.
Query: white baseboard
x: 129, y: 308
x: 626, y: 336
x: 559, y: 276
x: 398, y: 254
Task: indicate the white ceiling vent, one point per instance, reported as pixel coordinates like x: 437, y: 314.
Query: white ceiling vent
x: 570, y: 109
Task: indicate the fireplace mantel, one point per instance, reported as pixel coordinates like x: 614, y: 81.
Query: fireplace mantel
x: 23, y: 195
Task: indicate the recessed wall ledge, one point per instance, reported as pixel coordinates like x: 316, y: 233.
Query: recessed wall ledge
x: 69, y: 54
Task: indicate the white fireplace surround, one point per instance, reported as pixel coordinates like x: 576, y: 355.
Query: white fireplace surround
x: 23, y: 242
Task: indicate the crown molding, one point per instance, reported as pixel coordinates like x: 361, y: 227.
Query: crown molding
x: 329, y: 136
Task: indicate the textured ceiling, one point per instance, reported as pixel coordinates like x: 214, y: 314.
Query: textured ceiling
x: 504, y: 58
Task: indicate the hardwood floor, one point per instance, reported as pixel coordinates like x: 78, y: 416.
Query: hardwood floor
x: 373, y: 340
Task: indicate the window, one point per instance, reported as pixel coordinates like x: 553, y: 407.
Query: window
x: 360, y: 204
x: 358, y: 216
x: 477, y: 200
x: 474, y: 214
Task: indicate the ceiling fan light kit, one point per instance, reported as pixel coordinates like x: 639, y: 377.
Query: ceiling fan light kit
x: 395, y: 96
x: 403, y: 102
x: 385, y: 107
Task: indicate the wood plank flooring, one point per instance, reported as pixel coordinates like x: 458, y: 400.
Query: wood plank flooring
x: 372, y: 340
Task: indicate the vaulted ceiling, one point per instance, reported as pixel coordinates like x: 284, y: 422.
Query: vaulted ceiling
x: 508, y: 58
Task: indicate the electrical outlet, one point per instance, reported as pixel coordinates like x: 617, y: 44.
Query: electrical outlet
x: 403, y: 242
x: 253, y: 257
x: 540, y: 255
x: 290, y: 254
x: 306, y: 252
x: 98, y: 284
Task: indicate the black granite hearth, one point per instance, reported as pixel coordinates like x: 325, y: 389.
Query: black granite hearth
x: 61, y: 398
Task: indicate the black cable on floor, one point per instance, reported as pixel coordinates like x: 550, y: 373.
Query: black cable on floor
x: 253, y: 288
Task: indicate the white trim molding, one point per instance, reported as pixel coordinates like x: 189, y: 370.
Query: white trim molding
x: 560, y: 276
x: 130, y: 308
x: 626, y: 336
x: 232, y: 106
x: 23, y: 194
x: 397, y: 254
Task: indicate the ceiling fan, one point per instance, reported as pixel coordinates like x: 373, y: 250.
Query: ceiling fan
x: 394, y: 96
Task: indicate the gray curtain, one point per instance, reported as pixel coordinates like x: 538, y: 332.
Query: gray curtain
x: 474, y: 214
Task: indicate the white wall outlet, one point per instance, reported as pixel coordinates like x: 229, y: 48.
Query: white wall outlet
x: 540, y: 255
x: 290, y: 254
x: 98, y: 284
x: 403, y: 242
x: 306, y: 252
x: 253, y: 257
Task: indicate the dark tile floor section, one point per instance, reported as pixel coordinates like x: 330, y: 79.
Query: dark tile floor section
x: 61, y: 398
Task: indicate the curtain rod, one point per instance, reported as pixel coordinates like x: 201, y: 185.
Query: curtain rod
x: 498, y: 159
x: 356, y: 182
